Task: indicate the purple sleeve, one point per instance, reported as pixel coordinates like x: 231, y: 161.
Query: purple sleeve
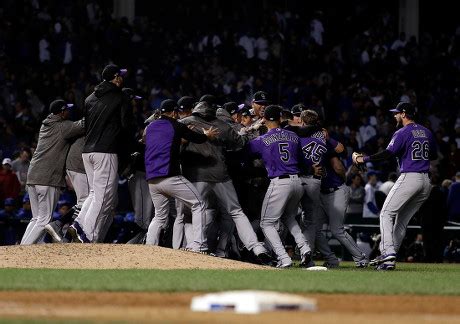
x: 396, y: 143
x: 332, y: 142
x: 253, y: 147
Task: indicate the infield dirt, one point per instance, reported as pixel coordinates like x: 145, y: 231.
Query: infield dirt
x: 175, y: 307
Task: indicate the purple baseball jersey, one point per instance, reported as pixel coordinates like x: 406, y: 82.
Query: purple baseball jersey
x: 313, y: 149
x: 280, y: 151
x: 413, y: 145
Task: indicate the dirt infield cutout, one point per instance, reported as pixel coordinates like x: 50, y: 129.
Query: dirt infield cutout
x: 111, y: 256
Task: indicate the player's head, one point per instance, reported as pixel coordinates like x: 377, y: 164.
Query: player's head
x: 372, y: 178
x: 130, y: 94
x: 232, y: 108
x: 246, y: 116
x: 272, y: 116
x: 168, y: 108
x: 186, y: 105
x: 112, y: 73
x: 259, y: 102
x: 296, y: 111
x: 309, y: 117
x: 61, y: 108
x: 210, y: 100
x: 404, y: 112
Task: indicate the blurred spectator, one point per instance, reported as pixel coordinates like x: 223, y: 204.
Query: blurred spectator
x: 25, y: 213
x: 9, y: 183
x: 452, y: 251
x: 414, y: 251
x: 8, y: 219
x: 370, y: 209
x: 453, y: 200
x: 383, y: 191
x: 355, y: 206
x: 21, y: 166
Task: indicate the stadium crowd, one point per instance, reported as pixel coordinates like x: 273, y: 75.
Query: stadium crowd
x: 350, y: 70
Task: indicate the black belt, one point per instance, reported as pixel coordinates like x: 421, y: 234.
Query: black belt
x: 329, y: 190
x: 284, y: 176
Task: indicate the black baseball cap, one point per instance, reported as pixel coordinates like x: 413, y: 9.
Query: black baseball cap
x: 296, y: 110
x: 231, y: 107
x: 273, y: 113
x: 58, y: 106
x: 261, y: 98
x: 111, y: 71
x: 246, y: 111
x: 186, y: 103
x: 130, y: 93
x: 168, y: 105
x: 209, y: 98
x: 404, y: 107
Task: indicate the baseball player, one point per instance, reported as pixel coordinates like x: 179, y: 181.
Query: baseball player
x: 76, y: 172
x: 46, y: 172
x: 162, y: 163
x: 105, y: 119
x: 280, y: 151
x: 414, y: 146
x: 204, y: 165
x: 229, y: 114
x: 183, y: 231
x: 334, y: 197
x: 137, y: 185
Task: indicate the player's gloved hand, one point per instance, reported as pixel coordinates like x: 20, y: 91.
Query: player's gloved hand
x: 358, y: 161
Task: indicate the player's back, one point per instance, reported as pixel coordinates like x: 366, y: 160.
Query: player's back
x: 313, y: 150
x: 280, y: 150
x: 414, y: 146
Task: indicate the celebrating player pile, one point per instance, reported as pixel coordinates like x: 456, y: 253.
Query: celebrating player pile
x: 228, y: 171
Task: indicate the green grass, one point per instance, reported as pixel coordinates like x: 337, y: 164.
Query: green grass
x: 441, y: 279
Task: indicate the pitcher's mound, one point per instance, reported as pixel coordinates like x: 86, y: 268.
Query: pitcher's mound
x: 111, y: 256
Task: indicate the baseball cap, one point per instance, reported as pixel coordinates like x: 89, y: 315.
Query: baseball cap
x: 168, y: 105
x: 59, y: 105
x: 186, y: 103
x: 209, y: 98
x: 286, y: 113
x: 245, y: 111
x: 130, y: 93
x: 111, y: 70
x: 231, y: 107
x: 9, y: 202
x: 273, y: 113
x: 6, y: 161
x: 261, y: 98
x: 296, y: 110
x: 404, y: 107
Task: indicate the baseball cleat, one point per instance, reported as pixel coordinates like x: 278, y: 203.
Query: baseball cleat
x: 386, y: 266
x: 78, y: 236
x: 306, y: 260
x: 383, y: 258
x: 331, y: 265
x: 283, y: 265
x: 54, y: 231
x: 362, y: 263
x: 265, y: 259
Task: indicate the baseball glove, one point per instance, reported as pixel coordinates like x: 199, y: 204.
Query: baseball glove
x: 360, y: 165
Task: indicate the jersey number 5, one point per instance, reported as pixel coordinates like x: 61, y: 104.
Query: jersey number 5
x: 421, y: 150
x: 283, y: 149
